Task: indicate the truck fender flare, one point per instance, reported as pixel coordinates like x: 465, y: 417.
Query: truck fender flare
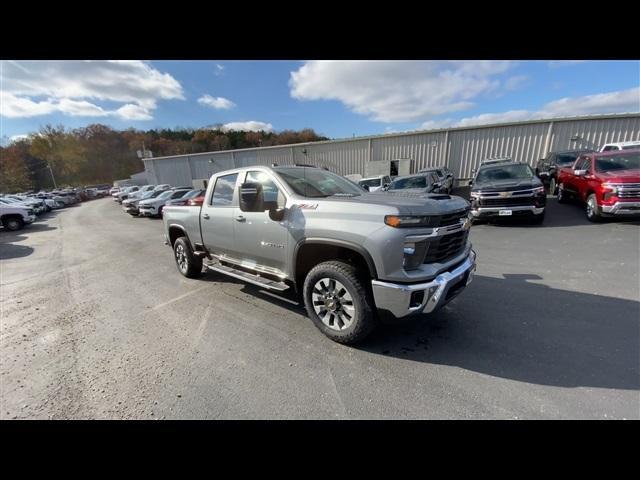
x: 179, y: 227
x: 337, y: 243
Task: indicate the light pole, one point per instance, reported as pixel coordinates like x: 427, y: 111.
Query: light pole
x: 55, y: 185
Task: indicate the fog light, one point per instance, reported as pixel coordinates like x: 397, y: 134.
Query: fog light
x: 414, y: 253
x: 416, y: 298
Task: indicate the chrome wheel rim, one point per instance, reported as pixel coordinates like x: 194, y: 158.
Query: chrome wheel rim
x: 13, y: 224
x: 181, y: 258
x: 333, y: 304
x: 552, y: 186
x: 590, y: 208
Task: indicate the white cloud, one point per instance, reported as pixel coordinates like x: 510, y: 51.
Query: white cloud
x: 72, y: 87
x: 219, y: 69
x: 250, y: 126
x: 14, y: 107
x: 16, y: 138
x: 131, y: 111
x: 219, y: 103
x: 620, y: 101
x: 398, y: 91
x: 612, y: 102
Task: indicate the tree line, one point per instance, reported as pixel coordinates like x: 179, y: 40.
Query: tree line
x: 99, y: 154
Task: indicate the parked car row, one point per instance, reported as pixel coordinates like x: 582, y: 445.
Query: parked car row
x: 18, y: 210
x: 429, y: 180
x: 150, y: 200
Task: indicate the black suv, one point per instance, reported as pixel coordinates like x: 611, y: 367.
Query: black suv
x: 547, y: 168
x: 507, y: 189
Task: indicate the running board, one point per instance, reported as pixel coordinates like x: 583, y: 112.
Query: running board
x: 248, y: 277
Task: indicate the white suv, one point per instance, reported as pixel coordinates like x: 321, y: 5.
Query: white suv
x: 152, y: 207
x: 15, y: 216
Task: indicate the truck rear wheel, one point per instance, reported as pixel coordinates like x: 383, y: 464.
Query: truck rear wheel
x: 553, y: 187
x: 188, y: 264
x: 592, y: 210
x: 339, y: 302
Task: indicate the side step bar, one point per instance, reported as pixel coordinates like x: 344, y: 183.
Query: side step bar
x: 248, y: 277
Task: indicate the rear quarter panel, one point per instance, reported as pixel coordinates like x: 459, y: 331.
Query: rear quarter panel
x: 186, y: 218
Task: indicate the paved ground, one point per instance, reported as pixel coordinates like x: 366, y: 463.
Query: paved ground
x: 97, y: 323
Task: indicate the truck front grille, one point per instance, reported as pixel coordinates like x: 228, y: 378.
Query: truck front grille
x: 507, y: 202
x: 452, y: 218
x: 447, y: 246
x: 628, y: 190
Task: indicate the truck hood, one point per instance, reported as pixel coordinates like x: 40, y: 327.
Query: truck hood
x: 407, y: 203
x: 506, y: 185
x: 621, y: 176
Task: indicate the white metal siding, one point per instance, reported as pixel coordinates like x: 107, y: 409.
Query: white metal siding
x: 461, y: 149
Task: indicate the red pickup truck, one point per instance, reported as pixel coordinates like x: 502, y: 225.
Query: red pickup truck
x: 608, y: 183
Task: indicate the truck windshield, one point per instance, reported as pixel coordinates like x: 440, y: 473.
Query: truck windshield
x: 410, y: 182
x: 566, y: 158
x: 313, y: 182
x: 504, y: 172
x: 373, y: 182
x: 618, y: 162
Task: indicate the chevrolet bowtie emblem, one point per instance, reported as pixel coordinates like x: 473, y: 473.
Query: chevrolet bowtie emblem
x: 505, y: 194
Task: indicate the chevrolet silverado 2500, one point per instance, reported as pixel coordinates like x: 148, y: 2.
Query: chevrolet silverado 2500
x: 349, y: 253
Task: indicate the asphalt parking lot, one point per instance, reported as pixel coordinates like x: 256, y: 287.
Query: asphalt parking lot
x: 98, y: 323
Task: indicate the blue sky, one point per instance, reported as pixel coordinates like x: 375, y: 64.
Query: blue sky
x: 336, y: 98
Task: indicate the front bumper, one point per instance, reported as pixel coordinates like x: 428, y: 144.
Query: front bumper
x: 132, y: 209
x: 146, y: 211
x: 29, y: 218
x: 622, y: 208
x: 494, y: 211
x: 397, y: 298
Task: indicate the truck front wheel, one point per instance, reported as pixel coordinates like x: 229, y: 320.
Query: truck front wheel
x: 13, y: 223
x: 592, y: 210
x: 339, y: 302
x: 188, y: 264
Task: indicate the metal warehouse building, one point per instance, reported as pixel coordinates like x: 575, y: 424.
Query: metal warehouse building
x: 461, y: 149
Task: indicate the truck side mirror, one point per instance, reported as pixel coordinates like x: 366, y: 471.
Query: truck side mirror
x: 366, y: 187
x: 251, y: 197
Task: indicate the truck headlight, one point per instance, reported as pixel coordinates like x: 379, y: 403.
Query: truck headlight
x: 414, y: 253
x: 609, y: 191
x: 407, y: 221
x: 475, y: 195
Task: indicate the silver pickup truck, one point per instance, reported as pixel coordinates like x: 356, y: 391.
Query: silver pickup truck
x: 352, y: 255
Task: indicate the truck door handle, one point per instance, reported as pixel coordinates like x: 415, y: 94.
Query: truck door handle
x: 205, y: 216
x: 240, y: 218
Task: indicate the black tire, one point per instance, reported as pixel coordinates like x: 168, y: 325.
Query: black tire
x: 553, y: 187
x: 13, y: 223
x: 188, y: 264
x: 562, y: 195
x: 592, y: 210
x: 363, y: 320
x: 538, y: 219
